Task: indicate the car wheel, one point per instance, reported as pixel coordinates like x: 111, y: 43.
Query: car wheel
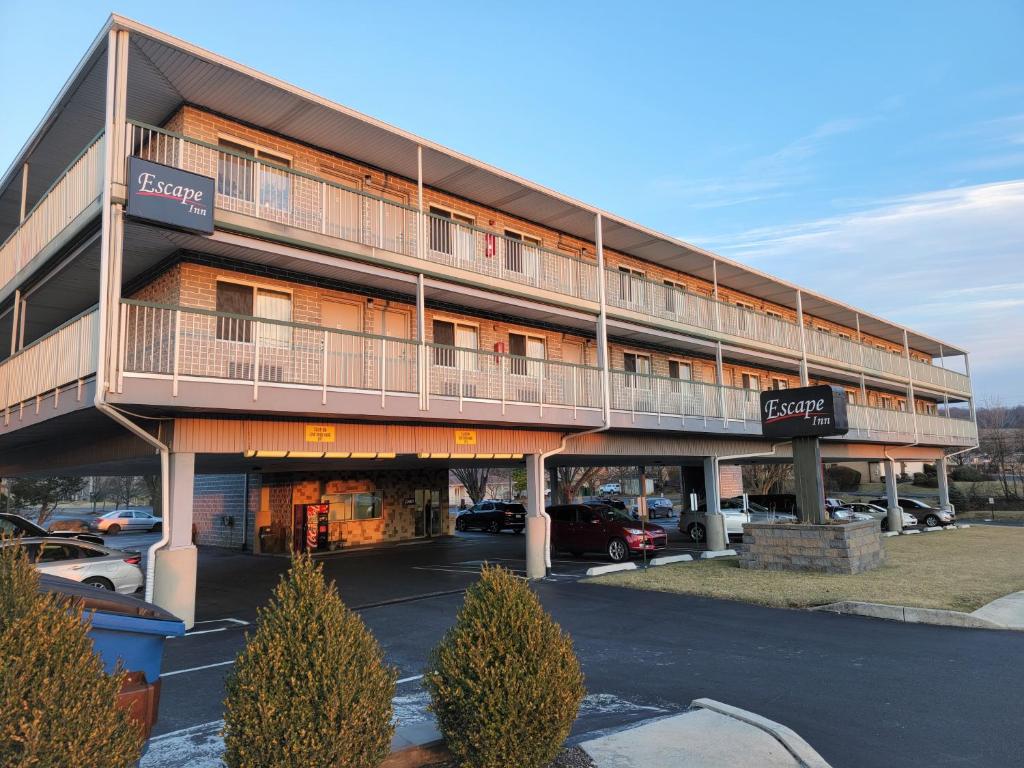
x: 697, y: 533
x: 114, y: 529
x: 885, y: 524
x: 156, y: 528
x: 617, y: 551
x: 99, y: 582
x: 931, y: 521
x: 460, y: 524
x: 494, y: 528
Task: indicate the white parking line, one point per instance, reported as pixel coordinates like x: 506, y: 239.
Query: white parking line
x: 196, y: 669
x: 236, y: 622
x: 408, y: 679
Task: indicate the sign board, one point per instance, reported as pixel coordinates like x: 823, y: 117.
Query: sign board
x: 818, y: 411
x: 166, y: 195
x: 465, y: 437
x: 320, y: 433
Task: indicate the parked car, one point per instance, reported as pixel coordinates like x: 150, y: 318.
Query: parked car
x: 16, y: 525
x: 860, y: 511
x: 924, y: 514
x: 777, y: 502
x: 693, y: 523
x: 610, y: 488
x: 91, y: 564
x: 605, y: 501
x: 579, y: 528
x: 493, y: 516
x: 126, y: 520
x: 657, y: 506
x: 832, y: 504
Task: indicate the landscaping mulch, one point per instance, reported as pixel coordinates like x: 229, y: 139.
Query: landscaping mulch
x: 570, y: 757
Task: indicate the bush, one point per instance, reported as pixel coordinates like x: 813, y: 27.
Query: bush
x: 57, y: 706
x: 310, y: 687
x: 839, y: 478
x: 505, y: 683
x: 924, y: 480
x: 967, y: 474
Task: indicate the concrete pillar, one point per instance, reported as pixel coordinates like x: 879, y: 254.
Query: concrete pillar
x: 940, y: 474
x: 174, y: 587
x: 716, y: 538
x: 892, y: 498
x: 536, y: 523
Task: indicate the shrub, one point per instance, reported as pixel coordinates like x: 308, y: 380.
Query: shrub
x: 310, y: 687
x: 924, y: 480
x: 57, y: 705
x: 504, y: 683
x: 839, y: 478
x: 967, y: 474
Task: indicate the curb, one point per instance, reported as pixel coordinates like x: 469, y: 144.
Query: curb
x: 670, y: 559
x: 597, y: 570
x: 911, y: 532
x: 909, y: 615
x: 417, y: 755
x: 804, y: 753
x: 717, y: 553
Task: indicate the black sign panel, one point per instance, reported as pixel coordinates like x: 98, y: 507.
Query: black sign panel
x: 804, y: 412
x: 170, y: 196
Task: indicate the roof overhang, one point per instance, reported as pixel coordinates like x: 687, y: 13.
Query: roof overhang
x: 165, y: 72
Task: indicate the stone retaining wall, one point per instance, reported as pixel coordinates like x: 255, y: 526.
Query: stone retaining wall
x: 847, y: 548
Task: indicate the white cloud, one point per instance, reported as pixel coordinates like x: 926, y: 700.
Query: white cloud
x: 949, y: 263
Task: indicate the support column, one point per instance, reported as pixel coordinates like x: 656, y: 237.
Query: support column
x: 174, y: 585
x: 803, y: 338
x: 536, y: 523
x: 717, y: 539
x: 895, y: 518
x: 807, y: 480
x: 14, y: 320
x: 941, y: 465
x: 24, y: 192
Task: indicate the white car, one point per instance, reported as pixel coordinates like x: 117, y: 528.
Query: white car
x: 126, y: 520
x: 860, y: 511
x: 611, y: 488
x: 98, y: 566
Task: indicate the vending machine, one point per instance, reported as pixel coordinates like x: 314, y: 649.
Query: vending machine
x: 316, y: 527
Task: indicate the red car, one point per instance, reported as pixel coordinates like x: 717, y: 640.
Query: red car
x: 579, y: 528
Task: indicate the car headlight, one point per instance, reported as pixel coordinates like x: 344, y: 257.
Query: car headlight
x: 633, y: 531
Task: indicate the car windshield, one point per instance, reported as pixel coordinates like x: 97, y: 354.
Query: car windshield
x: 611, y: 513
x: 515, y: 508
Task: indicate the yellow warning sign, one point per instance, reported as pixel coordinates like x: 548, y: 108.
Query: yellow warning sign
x: 465, y: 437
x: 320, y: 433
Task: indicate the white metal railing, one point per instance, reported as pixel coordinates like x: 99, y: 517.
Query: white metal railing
x: 901, y: 426
x: 71, y: 194
x: 65, y: 355
x: 180, y: 342
x: 664, y: 396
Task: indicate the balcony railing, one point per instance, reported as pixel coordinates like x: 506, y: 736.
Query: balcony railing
x: 64, y: 356
x: 273, y: 193
x: 71, y: 194
x: 639, y: 393
x: 902, y: 426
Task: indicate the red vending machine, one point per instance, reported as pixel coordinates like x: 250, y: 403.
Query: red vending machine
x: 316, y: 527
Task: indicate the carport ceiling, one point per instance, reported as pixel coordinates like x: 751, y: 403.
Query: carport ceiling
x: 165, y: 72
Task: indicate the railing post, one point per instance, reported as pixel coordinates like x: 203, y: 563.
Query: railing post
x: 256, y: 360
x: 323, y: 365
x: 503, y: 367
x: 458, y: 363
x: 323, y: 208
x: 540, y: 388
x: 383, y: 370
x: 175, y: 349
x: 122, y: 328
x: 575, y: 372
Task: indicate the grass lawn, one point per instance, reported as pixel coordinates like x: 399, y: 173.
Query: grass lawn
x: 958, y: 570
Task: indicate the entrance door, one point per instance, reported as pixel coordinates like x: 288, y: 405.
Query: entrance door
x: 399, y: 358
x: 428, y: 513
x: 345, y: 352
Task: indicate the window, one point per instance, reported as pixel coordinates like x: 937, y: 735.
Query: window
x: 54, y: 553
x: 242, y: 179
x: 237, y: 300
x: 773, y: 313
x: 638, y: 369
x: 631, y: 286
x: 250, y: 301
x: 778, y: 383
x: 679, y: 372
x: 675, y: 296
x: 520, y: 251
x: 751, y: 381
x: 346, y: 507
x: 521, y: 346
x: 449, y: 334
x: 445, y: 234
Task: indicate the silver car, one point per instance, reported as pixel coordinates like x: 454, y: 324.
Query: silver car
x: 126, y: 520
x: 860, y: 511
x: 694, y: 525
x: 91, y: 564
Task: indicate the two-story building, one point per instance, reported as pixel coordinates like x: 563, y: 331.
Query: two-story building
x: 205, y: 270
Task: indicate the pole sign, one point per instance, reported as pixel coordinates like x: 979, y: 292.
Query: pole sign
x: 170, y: 196
x: 804, y: 412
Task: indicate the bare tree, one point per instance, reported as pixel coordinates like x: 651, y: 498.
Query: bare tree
x: 151, y: 489
x: 474, y: 480
x: 572, y: 479
x: 766, y: 478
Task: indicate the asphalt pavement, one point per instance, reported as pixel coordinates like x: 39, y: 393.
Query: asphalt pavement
x: 863, y: 692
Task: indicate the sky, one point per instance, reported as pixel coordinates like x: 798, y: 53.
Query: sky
x: 872, y: 151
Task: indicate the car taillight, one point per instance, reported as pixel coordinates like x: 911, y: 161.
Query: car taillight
x: 133, y: 560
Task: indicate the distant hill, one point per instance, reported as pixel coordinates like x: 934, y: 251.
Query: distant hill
x: 995, y: 418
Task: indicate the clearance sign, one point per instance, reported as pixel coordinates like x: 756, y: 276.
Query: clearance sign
x: 804, y: 412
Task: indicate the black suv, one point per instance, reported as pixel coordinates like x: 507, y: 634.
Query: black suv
x: 16, y: 525
x: 493, y: 516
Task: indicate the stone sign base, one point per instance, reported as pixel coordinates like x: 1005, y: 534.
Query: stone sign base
x: 847, y: 548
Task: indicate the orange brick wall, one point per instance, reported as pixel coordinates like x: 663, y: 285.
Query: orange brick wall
x: 210, y: 128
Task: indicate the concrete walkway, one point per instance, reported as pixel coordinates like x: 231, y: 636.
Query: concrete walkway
x: 1007, y: 611
x: 710, y: 735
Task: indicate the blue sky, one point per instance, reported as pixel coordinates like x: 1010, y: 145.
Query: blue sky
x: 873, y: 151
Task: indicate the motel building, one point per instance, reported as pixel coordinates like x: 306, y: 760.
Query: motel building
x: 276, y: 302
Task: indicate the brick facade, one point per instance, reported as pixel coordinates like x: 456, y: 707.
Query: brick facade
x: 217, y: 497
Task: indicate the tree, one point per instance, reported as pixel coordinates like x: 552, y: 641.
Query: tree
x: 44, y: 493
x: 152, y: 490
x: 572, y: 479
x: 767, y: 478
x: 57, y: 705
x: 474, y: 480
x: 310, y: 689
x: 122, y: 489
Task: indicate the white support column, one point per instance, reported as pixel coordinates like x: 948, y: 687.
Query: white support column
x: 860, y: 344
x: 536, y: 523
x: 24, y: 192
x: 945, y: 384
x: 719, y: 367
x: 895, y: 518
x: 804, y: 380
x: 14, y: 320
x: 715, y: 521
x: 421, y: 337
x: 175, y: 576
x: 941, y: 465
x: 970, y: 403
x: 602, y: 320
x: 911, y: 400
